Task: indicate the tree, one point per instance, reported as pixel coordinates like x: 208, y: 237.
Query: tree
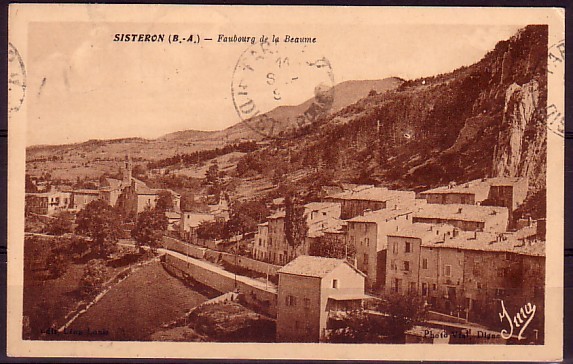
x: 212, y: 230
x: 188, y: 203
x: 165, y: 201
x: 386, y: 322
x: 149, y: 228
x: 212, y: 174
x: 78, y: 247
x: 246, y: 215
x: 330, y: 247
x: 29, y: 184
x: 139, y: 170
x: 57, y: 263
x: 358, y: 326
x: 296, y: 227
x: 93, y: 277
x: 61, y: 224
x: 101, y: 223
x: 404, y: 311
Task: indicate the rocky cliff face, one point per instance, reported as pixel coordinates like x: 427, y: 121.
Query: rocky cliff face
x: 522, y: 140
x: 484, y: 120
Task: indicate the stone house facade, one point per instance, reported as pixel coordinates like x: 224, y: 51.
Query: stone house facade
x: 367, y: 198
x: 464, y: 217
x: 309, y: 290
x: 369, y: 236
x: 465, y: 273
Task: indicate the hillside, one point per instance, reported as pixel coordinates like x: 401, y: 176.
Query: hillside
x: 129, y: 311
x: 487, y: 119
x: 189, y: 141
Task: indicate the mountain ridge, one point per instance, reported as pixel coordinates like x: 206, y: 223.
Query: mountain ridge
x: 347, y: 92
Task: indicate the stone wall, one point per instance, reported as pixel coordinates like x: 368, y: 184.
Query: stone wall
x: 183, y: 248
x: 217, y: 256
x: 252, y: 293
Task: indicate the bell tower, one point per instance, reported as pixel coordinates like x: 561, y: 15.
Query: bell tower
x: 127, y: 168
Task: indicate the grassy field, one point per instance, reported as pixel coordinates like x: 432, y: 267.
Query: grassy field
x: 48, y: 301
x: 137, y: 307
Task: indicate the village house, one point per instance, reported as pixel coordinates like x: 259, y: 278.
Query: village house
x: 464, y: 273
x: 402, y: 263
x: 138, y: 197
x: 129, y: 194
x: 509, y: 192
x: 110, y: 190
x: 368, y: 234
x: 354, y: 202
x: 329, y: 227
x: 310, y: 290
x: 277, y: 243
x: 464, y: 217
x: 173, y: 220
x: 47, y: 203
x: 134, y: 195
x: 189, y: 223
x: 261, y: 245
x: 82, y: 197
x: 320, y: 217
x: 220, y: 210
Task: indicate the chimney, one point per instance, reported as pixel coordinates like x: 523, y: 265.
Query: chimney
x: 456, y: 232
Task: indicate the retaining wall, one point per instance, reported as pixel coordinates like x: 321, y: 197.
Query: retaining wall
x: 183, y: 248
x: 263, y: 300
x: 216, y: 256
x: 252, y: 264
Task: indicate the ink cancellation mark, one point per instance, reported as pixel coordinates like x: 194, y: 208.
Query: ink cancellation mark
x: 16, y: 80
x: 556, y: 67
x: 267, y: 75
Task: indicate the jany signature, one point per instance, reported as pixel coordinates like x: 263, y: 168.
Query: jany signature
x: 520, y: 320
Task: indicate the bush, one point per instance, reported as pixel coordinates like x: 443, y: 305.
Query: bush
x: 93, y: 278
x: 61, y: 224
x: 57, y: 263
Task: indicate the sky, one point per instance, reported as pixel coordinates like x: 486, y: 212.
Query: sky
x: 82, y: 85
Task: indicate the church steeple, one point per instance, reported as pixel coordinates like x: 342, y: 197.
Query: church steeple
x: 127, y: 168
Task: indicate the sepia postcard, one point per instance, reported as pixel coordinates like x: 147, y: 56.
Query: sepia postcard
x: 285, y: 182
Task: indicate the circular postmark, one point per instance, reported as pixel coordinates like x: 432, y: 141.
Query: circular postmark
x: 16, y: 80
x: 556, y: 78
x: 271, y: 83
